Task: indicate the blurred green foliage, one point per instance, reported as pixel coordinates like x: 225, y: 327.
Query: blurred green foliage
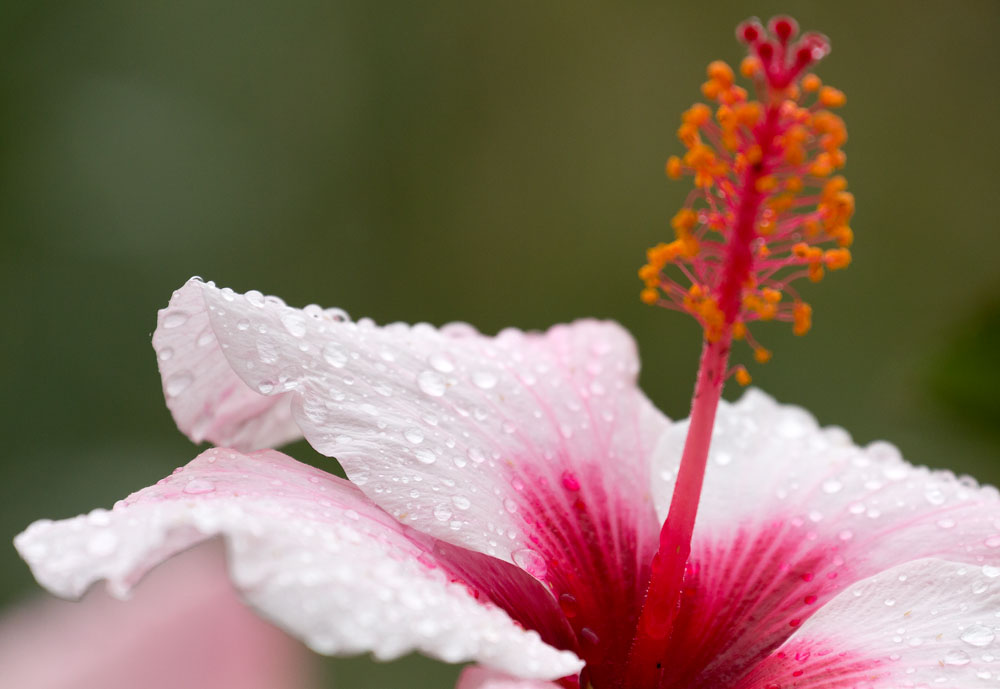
x: 495, y: 162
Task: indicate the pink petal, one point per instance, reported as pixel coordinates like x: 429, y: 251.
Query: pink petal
x: 207, y: 399
x: 185, y: 628
x: 923, y: 624
x: 306, y: 549
x: 530, y: 447
x: 791, y: 515
x: 474, y: 677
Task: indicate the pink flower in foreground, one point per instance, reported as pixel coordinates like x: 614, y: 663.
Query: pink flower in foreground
x: 516, y: 501
x: 185, y: 628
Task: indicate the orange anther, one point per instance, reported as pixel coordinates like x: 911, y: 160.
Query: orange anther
x: 800, y: 250
x: 739, y: 330
x: 794, y: 184
x: 684, y: 221
x: 673, y: 167
x: 649, y: 296
x: 822, y: 165
x: 721, y: 72
x: 748, y: 114
x: 836, y: 259
x: 698, y: 114
x: 711, y: 89
x: 767, y: 183
x: 830, y: 97
x: 742, y: 376
x: 750, y: 66
x: 843, y: 234
x: 761, y: 355
x: 816, y: 272
x: 810, y: 83
x: 801, y: 318
x: 771, y: 295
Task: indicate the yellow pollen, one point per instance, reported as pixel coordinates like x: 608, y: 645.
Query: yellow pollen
x: 750, y: 66
x: 771, y: 295
x: 836, y: 259
x: 761, y: 355
x: 811, y: 83
x: 649, y: 296
x: 739, y: 330
x: 830, y: 97
x: 801, y: 318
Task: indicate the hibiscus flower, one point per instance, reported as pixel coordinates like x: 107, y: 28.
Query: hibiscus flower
x: 516, y: 500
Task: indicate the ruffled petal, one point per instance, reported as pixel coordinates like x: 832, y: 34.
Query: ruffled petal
x: 306, y: 549
x: 928, y: 623
x: 791, y: 515
x: 474, y: 677
x: 207, y: 399
x: 533, y: 448
x: 187, y: 609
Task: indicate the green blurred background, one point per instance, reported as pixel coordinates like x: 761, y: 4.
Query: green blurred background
x: 495, y: 162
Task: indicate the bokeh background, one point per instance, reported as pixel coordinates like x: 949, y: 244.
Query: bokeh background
x: 494, y: 162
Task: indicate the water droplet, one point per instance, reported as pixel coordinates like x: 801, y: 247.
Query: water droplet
x: 431, y: 383
x: 414, y: 435
x: 178, y: 383
x: 957, y: 657
x: 199, y: 486
x: 484, y: 379
x: 476, y: 455
x: 461, y: 502
x: 569, y: 481
x: 832, y: 486
x: 334, y: 355
x: 531, y: 562
x: 946, y: 523
x: 243, y: 324
x: 978, y: 635
x: 102, y: 543
x: 174, y: 319
x: 255, y: 298
x: 425, y: 456
x: 165, y: 354
x: 991, y: 572
x: 442, y: 513
x: 569, y: 605
x: 294, y: 324
x: 723, y: 458
x: 992, y: 542
x: 510, y: 505
x: 265, y: 387
x: 441, y: 362
x: 206, y: 337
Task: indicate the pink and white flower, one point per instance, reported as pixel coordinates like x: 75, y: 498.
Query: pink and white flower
x: 506, y: 499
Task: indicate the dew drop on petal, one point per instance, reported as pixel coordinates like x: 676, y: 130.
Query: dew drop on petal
x: 957, y: 657
x: 334, y: 355
x: 991, y: 572
x: 425, y: 456
x: 484, y: 380
x: 441, y: 362
x: 265, y: 387
x: 165, y: 354
x: 294, y: 324
x: 461, y: 502
x: 993, y: 542
x: 414, y: 435
x: 431, y: 383
x: 832, y: 486
x: 174, y: 319
x: 531, y: 562
x: 510, y: 505
x: 442, y: 513
x: 178, y: 383
x: 978, y: 635
x: 198, y: 486
x: 476, y: 455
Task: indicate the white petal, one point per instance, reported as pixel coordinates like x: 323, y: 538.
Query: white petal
x: 474, y: 677
x: 771, y: 462
x: 207, y: 399
x: 927, y: 623
x: 307, y: 550
x: 450, y: 430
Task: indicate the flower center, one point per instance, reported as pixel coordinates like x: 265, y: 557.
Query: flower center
x: 765, y: 211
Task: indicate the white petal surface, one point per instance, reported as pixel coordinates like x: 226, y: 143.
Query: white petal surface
x: 928, y: 623
x: 207, y: 399
x: 306, y: 549
x: 481, y: 678
x: 878, y: 508
x: 435, y: 425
